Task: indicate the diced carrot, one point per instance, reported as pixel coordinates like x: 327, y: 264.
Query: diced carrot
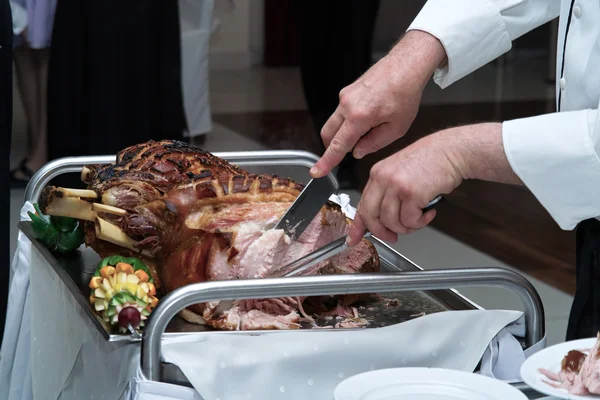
x: 95, y: 282
x: 152, y: 290
x: 107, y: 271
x: 124, y: 267
x: 142, y: 275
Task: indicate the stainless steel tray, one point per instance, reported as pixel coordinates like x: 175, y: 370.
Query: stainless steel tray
x: 418, y: 290
x: 77, y: 268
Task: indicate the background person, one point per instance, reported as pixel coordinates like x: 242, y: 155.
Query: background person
x: 31, y: 55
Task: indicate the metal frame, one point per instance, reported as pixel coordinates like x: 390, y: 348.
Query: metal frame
x: 186, y: 296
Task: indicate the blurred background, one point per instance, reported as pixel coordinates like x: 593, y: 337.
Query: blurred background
x: 265, y: 74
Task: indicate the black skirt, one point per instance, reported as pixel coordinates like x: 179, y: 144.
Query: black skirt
x: 114, y: 76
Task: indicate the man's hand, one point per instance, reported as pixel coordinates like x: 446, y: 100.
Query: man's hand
x: 381, y: 105
x: 401, y: 185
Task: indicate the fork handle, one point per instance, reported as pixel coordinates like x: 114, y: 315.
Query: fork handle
x: 433, y: 203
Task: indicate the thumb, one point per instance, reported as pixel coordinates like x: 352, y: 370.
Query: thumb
x: 376, y: 139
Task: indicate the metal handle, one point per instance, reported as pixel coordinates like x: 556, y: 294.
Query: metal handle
x: 74, y: 164
x: 203, y: 292
x: 433, y: 203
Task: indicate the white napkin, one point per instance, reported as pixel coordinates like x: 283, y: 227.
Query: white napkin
x: 503, y: 358
x: 142, y: 389
x: 15, y: 375
x: 311, y: 364
x: 344, y: 201
x: 51, y: 348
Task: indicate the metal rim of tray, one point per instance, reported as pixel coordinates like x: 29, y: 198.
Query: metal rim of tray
x: 419, y: 280
x: 203, y: 292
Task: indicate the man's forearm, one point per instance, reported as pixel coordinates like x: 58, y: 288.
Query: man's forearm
x: 477, y: 152
x: 421, y: 51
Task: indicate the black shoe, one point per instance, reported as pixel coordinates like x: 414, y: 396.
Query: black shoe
x: 16, y: 182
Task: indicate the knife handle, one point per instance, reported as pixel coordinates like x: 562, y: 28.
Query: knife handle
x: 433, y: 203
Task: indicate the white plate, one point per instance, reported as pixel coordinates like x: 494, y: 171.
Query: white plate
x: 424, y: 384
x: 550, y: 359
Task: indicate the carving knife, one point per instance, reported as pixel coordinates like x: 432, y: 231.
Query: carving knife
x: 306, y: 206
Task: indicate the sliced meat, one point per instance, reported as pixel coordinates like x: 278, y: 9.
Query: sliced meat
x: 236, y: 319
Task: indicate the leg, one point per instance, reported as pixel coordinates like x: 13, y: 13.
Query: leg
x: 335, y: 46
x: 27, y: 83
x: 28, y: 87
x: 39, y: 151
x: 335, y: 49
x: 355, y: 26
x: 316, y: 26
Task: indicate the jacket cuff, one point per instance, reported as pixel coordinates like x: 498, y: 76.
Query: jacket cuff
x: 554, y: 156
x: 471, y: 31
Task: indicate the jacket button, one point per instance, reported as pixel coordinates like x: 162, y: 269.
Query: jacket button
x: 562, y: 83
x: 577, y: 11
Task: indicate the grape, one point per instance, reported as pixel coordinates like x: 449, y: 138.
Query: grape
x: 129, y: 315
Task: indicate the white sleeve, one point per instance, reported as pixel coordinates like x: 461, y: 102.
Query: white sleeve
x: 556, y: 157
x: 475, y: 32
x: 19, y: 17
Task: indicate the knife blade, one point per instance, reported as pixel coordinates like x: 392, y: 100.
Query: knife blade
x: 306, y: 206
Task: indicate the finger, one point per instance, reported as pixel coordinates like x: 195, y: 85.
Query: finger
x: 390, y: 212
x: 357, y: 231
x: 342, y: 143
x: 331, y: 127
x: 369, y: 209
x: 412, y: 216
x: 376, y: 139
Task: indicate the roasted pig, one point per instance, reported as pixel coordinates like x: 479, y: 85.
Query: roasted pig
x: 194, y: 217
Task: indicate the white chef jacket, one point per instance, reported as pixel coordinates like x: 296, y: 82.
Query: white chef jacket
x: 556, y: 155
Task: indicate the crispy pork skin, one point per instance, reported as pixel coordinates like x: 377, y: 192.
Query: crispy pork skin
x: 195, y: 217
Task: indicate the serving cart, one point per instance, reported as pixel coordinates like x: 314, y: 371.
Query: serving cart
x: 61, y: 281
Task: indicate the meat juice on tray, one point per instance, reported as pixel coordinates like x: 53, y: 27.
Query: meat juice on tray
x: 193, y: 217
